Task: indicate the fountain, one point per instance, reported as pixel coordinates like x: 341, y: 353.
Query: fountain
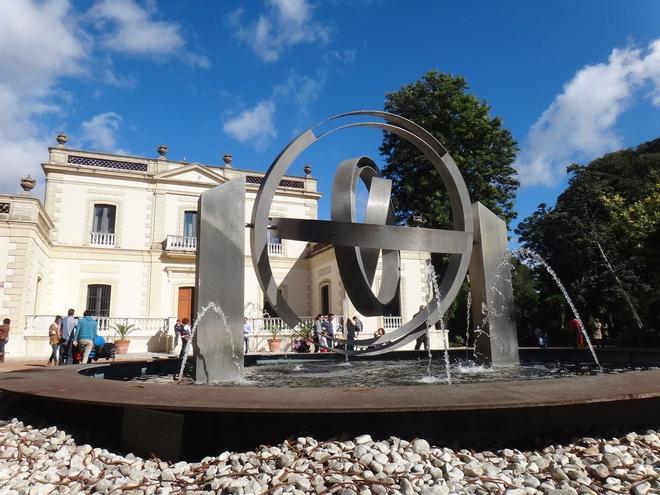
x: 237, y: 401
x: 478, y: 240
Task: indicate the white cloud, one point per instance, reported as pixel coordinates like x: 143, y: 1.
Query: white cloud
x: 254, y: 125
x: 284, y: 23
x: 100, y: 132
x: 302, y: 89
x: 580, y: 122
x: 44, y: 41
x: 39, y: 43
x: 129, y: 28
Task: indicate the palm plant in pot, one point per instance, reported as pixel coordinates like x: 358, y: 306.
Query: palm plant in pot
x: 122, y: 330
x: 304, y: 334
x: 274, y: 342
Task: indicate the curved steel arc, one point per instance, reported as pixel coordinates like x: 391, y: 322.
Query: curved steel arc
x: 357, y: 263
x: 372, y: 350
x: 444, y: 164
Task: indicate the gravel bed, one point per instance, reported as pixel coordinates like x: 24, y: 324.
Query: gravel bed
x: 47, y: 461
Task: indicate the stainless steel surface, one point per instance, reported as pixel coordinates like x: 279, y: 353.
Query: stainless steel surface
x: 372, y: 236
x: 358, y: 239
x: 490, y: 284
x: 220, y: 279
x: 357, y: 261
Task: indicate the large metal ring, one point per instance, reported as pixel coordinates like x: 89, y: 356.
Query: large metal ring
x: 356, y: 243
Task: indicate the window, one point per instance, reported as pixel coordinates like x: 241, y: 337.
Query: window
x: 272, y: 235
x: 104, y: 219
x: 98, y: 299
x: 190, y: 224
x: 325, y: 299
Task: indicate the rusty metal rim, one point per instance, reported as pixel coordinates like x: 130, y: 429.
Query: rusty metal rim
x: 68, y: 385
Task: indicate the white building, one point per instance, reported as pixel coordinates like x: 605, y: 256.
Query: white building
x: 116, y: 235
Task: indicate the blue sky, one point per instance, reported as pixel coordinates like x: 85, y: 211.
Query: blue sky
x: 571, y: 79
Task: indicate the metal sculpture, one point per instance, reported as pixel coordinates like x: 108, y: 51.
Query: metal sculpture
x: 357, y: 245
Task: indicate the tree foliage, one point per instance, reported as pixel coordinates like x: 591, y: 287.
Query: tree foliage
x: 482, y: 149
x: 602, y: 237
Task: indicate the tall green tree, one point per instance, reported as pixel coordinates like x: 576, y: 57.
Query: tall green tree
x: 602, y: 236
x: 483, y: 150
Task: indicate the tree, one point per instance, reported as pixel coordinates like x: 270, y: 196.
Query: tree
x: 602, y: 236
x: 483, y: 150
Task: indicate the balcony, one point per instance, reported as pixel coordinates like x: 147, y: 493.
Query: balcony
x: 180, y: 243
x: 275, y: 249
x: 391, y: 322
x: 101, y: 239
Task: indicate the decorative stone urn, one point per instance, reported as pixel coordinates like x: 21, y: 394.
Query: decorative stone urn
x: 62, y: 138
x: 162, y: 150
x: 307, y: 169
x: 28, y: 183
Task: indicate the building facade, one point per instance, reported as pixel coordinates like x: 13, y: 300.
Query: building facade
x: 117, y: 235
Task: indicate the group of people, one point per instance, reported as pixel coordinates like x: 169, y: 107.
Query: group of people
x: 599, y: 332
x: 72, y: 339
x: 325, y: 328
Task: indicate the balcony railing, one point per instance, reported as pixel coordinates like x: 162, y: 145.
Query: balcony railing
x: 101, y: 239
x: 37, y: 325
x: 391, y: 322
x: 275, y: 249
x: 180, y: 243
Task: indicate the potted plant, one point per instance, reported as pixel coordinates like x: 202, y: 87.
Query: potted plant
x: 274, y: 342
x: 304, y: 333
x: 122, y: 330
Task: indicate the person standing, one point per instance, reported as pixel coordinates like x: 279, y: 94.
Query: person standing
x: 67, y: 337
x: 247, y: 330
x: 336, y: 324
x: 597, y: 333
x: 87, y: 329
x: 317, y: 331
x: 4, y: 337
x: 178, y: 326
x: 329, y: 330
x: 350, y: 334
x: 424, y: 338
x: 541, y: 338
x: 54, y: 337
x: 358, y: 326
x: 185, y: 337
x: 574, y: 325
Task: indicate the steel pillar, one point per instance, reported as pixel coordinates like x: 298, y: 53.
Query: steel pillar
x: 496, y: 342
x: 220, y: 279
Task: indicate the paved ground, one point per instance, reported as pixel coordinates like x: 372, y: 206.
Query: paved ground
x: 24, y: 363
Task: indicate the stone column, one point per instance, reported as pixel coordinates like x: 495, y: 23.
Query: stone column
x: 220, y: 279
x: 492, y: 294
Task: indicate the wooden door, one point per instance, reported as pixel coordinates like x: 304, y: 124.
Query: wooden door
x: 186, y: 303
